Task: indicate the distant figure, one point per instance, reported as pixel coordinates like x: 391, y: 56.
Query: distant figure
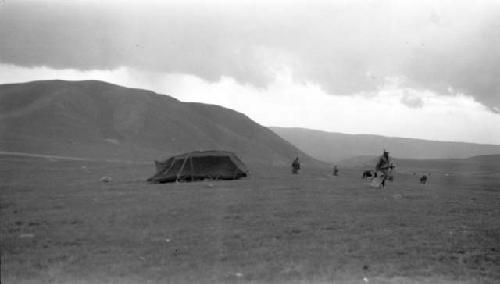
x: 385, y: 167
x: 423, y: 179
x: 295, y: 166
x: 335, y: 170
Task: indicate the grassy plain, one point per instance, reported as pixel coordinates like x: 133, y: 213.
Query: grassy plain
x: 60, y: 223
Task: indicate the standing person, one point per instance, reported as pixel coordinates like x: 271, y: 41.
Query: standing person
x: 384, y: 166
x: 296, y: 166
x: 335, y: 170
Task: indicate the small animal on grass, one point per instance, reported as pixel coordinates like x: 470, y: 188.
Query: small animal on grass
x: 423, y: 179
x: 106, y: 179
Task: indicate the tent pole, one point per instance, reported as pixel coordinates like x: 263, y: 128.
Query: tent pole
x: 191, y: 164
x: 169, y: 168
x: 182, y: 167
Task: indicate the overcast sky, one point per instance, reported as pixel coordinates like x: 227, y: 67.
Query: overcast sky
x: 422, y: 69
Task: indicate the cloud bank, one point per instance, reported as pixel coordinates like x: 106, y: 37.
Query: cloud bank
x: 344, y: 48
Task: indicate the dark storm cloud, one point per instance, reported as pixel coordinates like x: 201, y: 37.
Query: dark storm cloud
x: 470, y: 64
x: 346, y: 47
x: 172, y: 38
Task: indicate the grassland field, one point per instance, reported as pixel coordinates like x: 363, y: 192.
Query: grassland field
x: 61, y: 224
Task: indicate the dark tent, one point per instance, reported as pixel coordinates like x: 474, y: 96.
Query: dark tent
x: 198, y: 166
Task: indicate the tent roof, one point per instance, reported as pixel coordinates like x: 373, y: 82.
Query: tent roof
x: 211, y: 153
x: 199, y: 165
x: 204, y: 153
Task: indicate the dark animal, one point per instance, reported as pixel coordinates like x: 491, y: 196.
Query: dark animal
x: 368, y: 174
x: 423, y: 179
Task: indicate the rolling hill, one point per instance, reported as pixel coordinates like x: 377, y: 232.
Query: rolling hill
x: 334, y: 147
x: 94, y: 119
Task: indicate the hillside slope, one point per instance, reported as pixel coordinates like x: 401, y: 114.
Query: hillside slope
x: 333, y: 147
x: 94, y: 119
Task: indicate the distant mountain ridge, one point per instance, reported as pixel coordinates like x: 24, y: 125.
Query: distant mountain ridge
x: 94, y: 119
x: 333, y: 147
